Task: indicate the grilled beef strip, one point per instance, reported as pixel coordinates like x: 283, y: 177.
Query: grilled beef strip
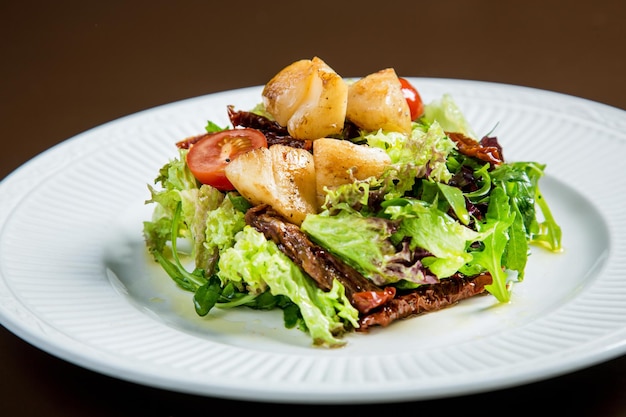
x: 275, y: 133
x: 318, y: 263
x: 426, y: 298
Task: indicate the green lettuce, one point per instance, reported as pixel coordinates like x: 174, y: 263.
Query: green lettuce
x: 499, y: 219
x: 433, y: 230
x: 365, y: 244
x: 199, y: 237
x: 447, y: 113
x: 256, y: 264
x: 207, y: 220
x: 422, y: 154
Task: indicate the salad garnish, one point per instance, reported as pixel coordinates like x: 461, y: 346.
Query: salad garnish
x: 347, y: 204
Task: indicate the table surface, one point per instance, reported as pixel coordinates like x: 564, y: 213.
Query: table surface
x: 68, y: 66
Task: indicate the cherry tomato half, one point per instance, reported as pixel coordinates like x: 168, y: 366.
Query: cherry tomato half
x: 412, y: 98
x: 207, y: 158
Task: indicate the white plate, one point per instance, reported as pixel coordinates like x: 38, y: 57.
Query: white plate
x: 75, y: 280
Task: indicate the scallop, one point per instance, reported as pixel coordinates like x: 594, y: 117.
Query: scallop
x: 309, y: 98
x: 377, y: 102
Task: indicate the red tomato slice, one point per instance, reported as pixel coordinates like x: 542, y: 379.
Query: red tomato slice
x: 207, y: 158
x: 412, y: 98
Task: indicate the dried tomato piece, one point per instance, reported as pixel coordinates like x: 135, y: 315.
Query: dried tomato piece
x: 488, y: 149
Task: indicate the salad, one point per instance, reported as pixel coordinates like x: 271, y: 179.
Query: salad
x: 347, y: 204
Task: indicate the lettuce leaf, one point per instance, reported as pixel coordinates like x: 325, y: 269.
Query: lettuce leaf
x: 256, y: 264
x: 365, y: 244
x: 423, y: 154
x: 447, y: 113
x: 207, y: 220
x: 438, y: 233
x: 499, y: 219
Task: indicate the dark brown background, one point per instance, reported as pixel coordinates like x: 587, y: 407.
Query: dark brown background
x: 68, y: 66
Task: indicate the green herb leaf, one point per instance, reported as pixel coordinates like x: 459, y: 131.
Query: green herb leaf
x: 206, y: 296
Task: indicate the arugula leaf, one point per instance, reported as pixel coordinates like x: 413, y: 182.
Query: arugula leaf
x: 549, y: 232
x: 454, y: 197
x: 516, y: 254
x: 499, y: 219
x: 520, y: 180
x: 206, y: 296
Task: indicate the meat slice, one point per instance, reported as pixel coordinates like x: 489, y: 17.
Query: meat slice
x: 378, y: 306
x: 319, y: 264
x: 275, y: 133
x: 426, y: 298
